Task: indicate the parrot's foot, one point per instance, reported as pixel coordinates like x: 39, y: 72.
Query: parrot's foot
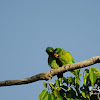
x: 65, y: 65
x: 51, y: 71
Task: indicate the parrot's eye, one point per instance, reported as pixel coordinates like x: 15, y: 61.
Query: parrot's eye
x: 56, y: 52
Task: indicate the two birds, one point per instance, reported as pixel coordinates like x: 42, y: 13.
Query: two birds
x: 59, y: 57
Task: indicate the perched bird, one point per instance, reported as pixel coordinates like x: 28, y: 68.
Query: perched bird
x: 52, y: 60
x: 64, y: 58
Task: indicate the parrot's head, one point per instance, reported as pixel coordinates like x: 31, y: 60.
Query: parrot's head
x: 56, y: 52
x: 50, y: 50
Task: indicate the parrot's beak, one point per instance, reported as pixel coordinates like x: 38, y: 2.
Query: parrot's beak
x: 56, y: 55
x: 51, y: 51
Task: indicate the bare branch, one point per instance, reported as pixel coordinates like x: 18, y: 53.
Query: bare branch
x: 48, y: 75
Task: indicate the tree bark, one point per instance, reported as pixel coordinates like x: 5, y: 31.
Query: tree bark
x: 48, y: 75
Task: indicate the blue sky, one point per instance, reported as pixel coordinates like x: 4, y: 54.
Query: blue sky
x: 28, y: 27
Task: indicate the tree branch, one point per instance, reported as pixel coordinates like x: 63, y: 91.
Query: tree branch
x: 48, y: 75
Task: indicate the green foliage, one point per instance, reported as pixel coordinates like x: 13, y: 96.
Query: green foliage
x: 69, y: 88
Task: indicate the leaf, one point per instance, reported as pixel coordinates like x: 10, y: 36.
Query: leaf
x: 43, y: 94
x: 45, y: 85
x: 48, y: 97
x: 52, y: 85
x: 97, y: 73
x: 75, y: 99
x: 94, y: 97
x: 77, y: 71
x: 70, y: 99
x: 87, y: 70
x: 77, y: 90
x: 70, y: 79
x: 95, y: 69
x: 77, y: 81
x: 57, y: 83
x: 59, y: 98
x: 98, y: 81
x: 60, y: 80
x: 85, y: 79
x: 70, y: 94
x: 92, y: 76
x: 65, y: 87
x: 83, y: 93
x: 87, y: 95
x: 53, y: 96
x: 65, y: 80
x: 56, y: 93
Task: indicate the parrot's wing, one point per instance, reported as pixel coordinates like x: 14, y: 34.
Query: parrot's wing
x: 52, y: 62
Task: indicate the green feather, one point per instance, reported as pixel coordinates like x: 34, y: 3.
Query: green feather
x: 52, y: 60
x: 64, y: 57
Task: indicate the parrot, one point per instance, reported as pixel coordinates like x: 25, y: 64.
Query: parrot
x: 52, y: 60
x: 64, y: 57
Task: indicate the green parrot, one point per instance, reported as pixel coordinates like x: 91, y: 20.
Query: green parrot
x: 52, y: 60
x: 64, y: 58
